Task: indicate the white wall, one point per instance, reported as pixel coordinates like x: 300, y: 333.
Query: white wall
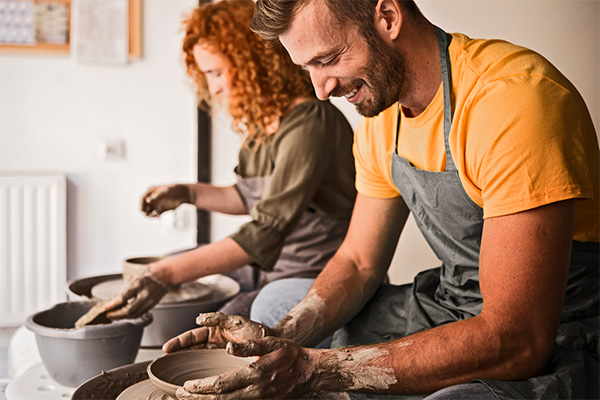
x: 54, y: 113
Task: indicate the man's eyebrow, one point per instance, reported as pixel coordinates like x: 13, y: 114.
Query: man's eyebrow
x: 323, y: 54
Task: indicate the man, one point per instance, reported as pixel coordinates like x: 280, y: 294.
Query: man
x: 495, y: 154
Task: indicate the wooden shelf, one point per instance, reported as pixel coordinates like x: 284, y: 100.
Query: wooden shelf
x: 135, y: 34
x: 48, y: 48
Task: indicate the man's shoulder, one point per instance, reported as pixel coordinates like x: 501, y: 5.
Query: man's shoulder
x: 493, y: 59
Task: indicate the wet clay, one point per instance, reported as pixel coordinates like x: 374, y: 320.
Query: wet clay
x: 358, y: 373
x: 93, y: 317
x: 171, y: 371
x: 235, y: 325
x: 305, y: 321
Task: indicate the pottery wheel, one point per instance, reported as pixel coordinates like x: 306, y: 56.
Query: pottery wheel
x: 143, y: 390
x: 186, y: 292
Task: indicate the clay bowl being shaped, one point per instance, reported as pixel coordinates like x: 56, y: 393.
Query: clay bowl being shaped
x: 171, y: 371
x: 73, y: 355
x: 170, y: 319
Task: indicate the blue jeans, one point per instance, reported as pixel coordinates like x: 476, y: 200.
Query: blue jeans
x: 277, y: 298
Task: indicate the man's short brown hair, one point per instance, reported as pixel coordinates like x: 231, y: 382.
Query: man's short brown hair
x: 272, y: 18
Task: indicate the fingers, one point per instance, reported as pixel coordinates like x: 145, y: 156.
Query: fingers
x: 145, y: 293
x: 227, y: 382
x: 233, y: 327
x: 212, y: 319
x: 259, y: 379
x: 164, y: 198
x: 189, y: 339
x: 146, y: 205
x: 151, y: 201
x: 121, y: 299
x: 113, y: 303
x: 123, y: 312
x: 252, y: 348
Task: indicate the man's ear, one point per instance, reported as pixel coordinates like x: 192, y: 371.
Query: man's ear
x: 388, y: 19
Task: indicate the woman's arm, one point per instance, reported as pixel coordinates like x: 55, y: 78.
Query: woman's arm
x: 224, y: 199
x: 214, y: 258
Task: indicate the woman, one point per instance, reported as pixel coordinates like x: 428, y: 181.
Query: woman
x: 295, y: 175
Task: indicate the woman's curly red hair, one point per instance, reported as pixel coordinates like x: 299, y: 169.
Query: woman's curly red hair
x: 264, y: 80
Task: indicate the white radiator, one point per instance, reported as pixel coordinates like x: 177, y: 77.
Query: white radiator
x: 33, y: 266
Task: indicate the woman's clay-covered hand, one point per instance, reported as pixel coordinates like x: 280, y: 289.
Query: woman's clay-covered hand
x: 216, y: 330
x: 143, y: 293
x: 164, y: 198
x: 283, y: 370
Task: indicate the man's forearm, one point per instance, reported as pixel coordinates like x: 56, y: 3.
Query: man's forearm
x: 338, y: 294
x: 424, y: 362
x: 352, y: 276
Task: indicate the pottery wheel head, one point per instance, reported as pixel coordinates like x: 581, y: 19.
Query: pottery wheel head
x: 143, y: 390
x: 186, y: 292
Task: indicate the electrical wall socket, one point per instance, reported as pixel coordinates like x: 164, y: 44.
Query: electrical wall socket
x: 112, y: 150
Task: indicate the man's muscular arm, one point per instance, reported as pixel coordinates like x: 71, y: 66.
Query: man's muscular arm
x: 353, y: 274
x: 524, y: 265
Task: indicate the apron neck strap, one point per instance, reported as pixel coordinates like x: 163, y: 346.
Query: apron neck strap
x: 447, y: 87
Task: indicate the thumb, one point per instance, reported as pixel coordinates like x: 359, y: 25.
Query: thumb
x: 250, y: 348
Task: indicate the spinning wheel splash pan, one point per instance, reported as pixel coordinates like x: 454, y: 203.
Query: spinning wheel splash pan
x: 158, y: 379
x: 110, y: 384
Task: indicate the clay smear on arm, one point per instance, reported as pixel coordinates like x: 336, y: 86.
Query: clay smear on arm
x: 304, y: 323
x: 364, y: 369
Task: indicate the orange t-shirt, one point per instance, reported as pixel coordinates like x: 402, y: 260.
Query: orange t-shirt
x: 521, y: 136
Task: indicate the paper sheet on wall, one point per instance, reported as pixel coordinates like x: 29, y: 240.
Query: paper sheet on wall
x: 100, y: 31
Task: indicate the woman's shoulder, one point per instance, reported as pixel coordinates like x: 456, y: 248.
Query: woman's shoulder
x: 316, y: 112
x: 312, y: 121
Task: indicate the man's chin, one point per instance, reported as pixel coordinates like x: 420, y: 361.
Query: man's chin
x: 368, y: 110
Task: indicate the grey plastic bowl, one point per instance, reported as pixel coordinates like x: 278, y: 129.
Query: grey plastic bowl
x: 72, y: 356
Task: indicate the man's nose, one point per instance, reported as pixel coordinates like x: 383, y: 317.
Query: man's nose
x: 323, y: 83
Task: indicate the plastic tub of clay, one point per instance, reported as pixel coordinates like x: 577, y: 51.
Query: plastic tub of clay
x: 72, y: 356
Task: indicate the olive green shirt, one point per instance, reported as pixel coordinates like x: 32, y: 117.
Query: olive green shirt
x: 310, y: 164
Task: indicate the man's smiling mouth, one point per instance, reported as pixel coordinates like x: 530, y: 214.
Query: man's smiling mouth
x: 351, y: 96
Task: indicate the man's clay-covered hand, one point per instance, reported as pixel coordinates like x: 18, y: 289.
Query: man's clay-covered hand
x: 216, y: 329
x: 283, y: 370
x: 164, y: 198
x: 141, y: 295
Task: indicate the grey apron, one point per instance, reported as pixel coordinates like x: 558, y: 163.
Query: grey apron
x: 452, y: 225
x: 306, y: 249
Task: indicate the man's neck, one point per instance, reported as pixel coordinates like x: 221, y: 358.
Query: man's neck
x: 424, y: 74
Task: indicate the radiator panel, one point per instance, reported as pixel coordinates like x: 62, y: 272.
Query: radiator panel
x: 33, y: 270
